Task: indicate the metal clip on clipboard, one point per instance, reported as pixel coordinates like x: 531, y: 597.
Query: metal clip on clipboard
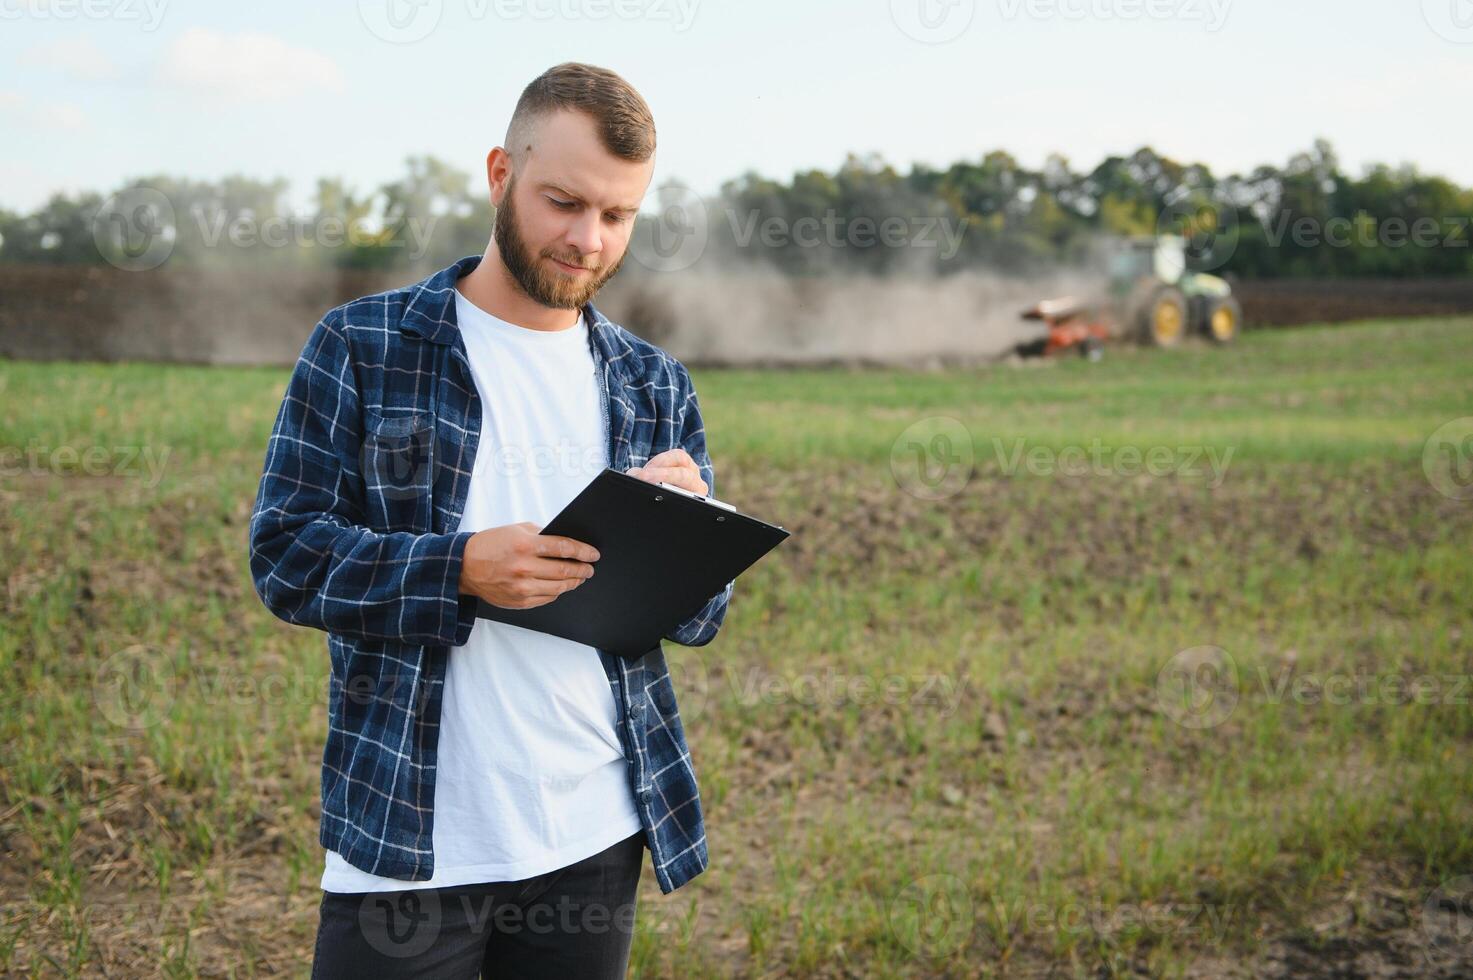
x: 697, y: 496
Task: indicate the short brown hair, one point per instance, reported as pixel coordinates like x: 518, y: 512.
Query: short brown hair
x: 625, y: 125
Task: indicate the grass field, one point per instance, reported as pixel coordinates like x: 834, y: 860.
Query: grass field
x: 1155, y: 666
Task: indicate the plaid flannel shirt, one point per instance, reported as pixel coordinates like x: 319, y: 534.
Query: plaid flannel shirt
x: 354, y: 532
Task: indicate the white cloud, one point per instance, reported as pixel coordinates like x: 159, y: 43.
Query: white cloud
x: 48, y: 115
x: 247, y: 67
x: 79, y: 57
x: 62, y: 115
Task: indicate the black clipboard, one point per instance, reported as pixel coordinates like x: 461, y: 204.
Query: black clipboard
x: 663, y: 554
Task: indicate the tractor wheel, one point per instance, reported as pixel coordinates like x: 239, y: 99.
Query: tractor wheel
x: 1164, y: 319
x: 1224, y: 320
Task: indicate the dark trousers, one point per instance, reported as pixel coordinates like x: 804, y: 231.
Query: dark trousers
x: 574, y: 922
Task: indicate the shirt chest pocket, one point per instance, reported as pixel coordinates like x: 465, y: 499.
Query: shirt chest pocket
x: 652, y: 431
x: 398, y: 462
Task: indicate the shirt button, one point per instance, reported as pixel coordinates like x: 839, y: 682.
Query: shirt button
x: 644, y: 796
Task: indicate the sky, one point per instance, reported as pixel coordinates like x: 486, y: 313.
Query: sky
x: 95, y: 92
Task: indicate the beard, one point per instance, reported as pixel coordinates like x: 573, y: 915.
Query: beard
x: 539, y: 279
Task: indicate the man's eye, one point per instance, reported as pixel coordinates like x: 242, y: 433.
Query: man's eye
x: 617, y: 219
x: 560, y: 205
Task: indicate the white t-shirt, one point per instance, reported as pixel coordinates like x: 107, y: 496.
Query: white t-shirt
x: 531, y: 776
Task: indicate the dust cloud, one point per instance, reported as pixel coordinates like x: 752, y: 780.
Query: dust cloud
x: 715, y: 313
x: 760, y: 317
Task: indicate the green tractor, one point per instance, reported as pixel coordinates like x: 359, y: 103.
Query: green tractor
x: 1159, y: 301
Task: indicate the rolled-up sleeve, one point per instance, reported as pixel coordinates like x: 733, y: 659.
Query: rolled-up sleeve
x: 312, y: 559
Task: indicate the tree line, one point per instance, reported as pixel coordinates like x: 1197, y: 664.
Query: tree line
x: 1307, y: 218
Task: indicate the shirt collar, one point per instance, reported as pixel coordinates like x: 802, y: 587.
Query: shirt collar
x: 430, y: 313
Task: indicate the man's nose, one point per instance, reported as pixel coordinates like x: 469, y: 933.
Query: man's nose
x: 585, y: 235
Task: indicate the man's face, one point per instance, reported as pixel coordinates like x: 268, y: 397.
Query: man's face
x: 563, y: 223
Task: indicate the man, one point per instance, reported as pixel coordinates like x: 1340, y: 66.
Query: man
x: 488, y: 791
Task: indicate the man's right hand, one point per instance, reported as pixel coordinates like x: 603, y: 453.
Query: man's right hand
x: 516, y: 568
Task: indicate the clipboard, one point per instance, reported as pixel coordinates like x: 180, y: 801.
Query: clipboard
x: 664, y: 552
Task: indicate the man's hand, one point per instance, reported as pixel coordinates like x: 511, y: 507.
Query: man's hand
x: 673, y: 466
x: 514, y: 567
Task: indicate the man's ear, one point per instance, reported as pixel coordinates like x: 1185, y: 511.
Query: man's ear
x: 498, y: 174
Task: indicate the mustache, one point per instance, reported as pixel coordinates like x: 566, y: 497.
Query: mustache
x: 573, y: 262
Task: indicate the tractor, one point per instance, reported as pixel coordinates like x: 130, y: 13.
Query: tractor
x: 1158, y: 301
x: 1151, y: 298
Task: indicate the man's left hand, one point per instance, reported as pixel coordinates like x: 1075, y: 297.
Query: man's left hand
x: 673, y: 466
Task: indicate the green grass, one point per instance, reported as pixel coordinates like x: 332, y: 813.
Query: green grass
x: 1316, y: 393
x: 934, y: 736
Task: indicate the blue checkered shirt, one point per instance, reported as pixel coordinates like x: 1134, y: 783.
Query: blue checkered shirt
x: 354, y: 532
